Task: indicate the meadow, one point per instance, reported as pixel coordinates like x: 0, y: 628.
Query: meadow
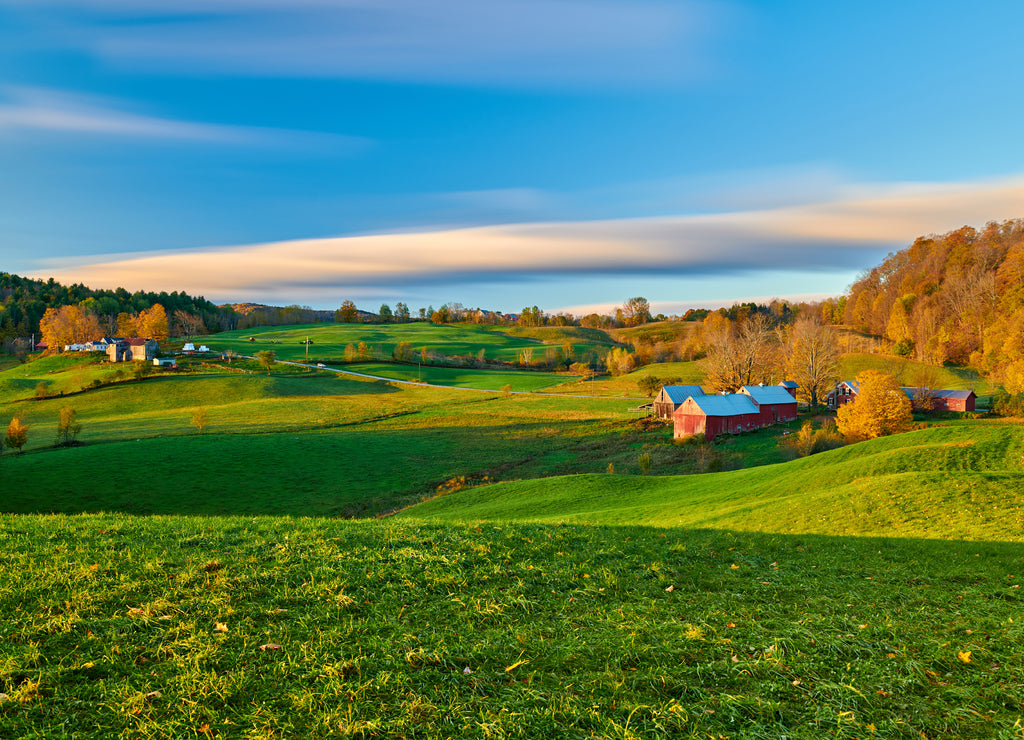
x: 159, y: 580
x: 329, y: 341
x: 241, y: 627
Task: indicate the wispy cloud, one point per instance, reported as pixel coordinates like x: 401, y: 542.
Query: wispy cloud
x: 57, y: 111
x: 843, y: 234
x: 515, y: 42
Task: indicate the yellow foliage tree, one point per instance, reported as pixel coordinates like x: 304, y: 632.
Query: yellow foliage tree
x: 881, y: 408
x: 68, y: 325
x: 152, y: 323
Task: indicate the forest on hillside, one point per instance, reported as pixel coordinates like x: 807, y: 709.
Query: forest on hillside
x: 952, y: 298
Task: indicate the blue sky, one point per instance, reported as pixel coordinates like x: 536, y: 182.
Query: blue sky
x: 568, y: 154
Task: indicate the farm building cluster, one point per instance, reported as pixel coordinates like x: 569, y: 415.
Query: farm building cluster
x: 118, y: 349
x: 933, y: 399
x: 695, y: 412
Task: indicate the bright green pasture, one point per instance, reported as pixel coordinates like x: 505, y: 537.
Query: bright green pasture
x: 957, y: 481
x: 300, y: 442
x: 628, y: 385
x: 519, y: 380
x: 330, y: 340
x: 65, y: 373
x: 245, y: 627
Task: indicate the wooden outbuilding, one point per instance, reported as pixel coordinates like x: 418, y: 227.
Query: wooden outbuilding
x: 790, y: 386
x: 713, y: 415
x: 136, y: 348
x: 671, y: 397
x: 774, y: 403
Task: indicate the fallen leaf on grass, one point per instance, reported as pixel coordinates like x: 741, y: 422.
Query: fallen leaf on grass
x: 735, y: 659
x: 221, y: 627
x: 277, y: 611
x: 154, y: 695
x: 515, y: 665
x: 467, y: 670
x: 670, y: 589
x: 4, y: 697
x: 964, y: 656
x: 734, y: 566
x: 270, y: 646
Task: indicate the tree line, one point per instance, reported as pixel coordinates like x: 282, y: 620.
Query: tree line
x: 25, y: 301
x: 951, y: 298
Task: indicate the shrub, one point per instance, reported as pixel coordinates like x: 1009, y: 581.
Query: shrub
x: 1008, y: 404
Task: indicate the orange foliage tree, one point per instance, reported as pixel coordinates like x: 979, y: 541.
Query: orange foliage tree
x: 68, y: 325
x: 881, y: 408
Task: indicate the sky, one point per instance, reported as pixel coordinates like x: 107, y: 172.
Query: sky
x: 568, y: 154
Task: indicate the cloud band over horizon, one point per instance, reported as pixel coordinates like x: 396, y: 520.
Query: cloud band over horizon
x: 843, y: 235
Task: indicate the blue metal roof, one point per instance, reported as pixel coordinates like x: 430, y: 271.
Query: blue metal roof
x: 789, y: 384
x: 679, y: 393
x: 732, y: 404
x: 768, y: 394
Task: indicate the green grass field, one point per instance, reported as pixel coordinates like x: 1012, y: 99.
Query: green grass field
x: 206, y: 585
x: 518, y: 380
x: 330, y: 340
x: 234, y: 627
x: 954, y: 481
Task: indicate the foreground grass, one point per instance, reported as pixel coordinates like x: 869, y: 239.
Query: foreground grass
x: 243, y: 628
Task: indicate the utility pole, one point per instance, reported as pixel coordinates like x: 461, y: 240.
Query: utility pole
x: 307, y: 349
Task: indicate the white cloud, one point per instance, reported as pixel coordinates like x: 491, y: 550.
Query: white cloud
x: 515, y: 42
x: 843, y: 234
x: 57, y: 111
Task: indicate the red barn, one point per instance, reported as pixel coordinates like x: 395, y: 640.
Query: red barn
x: 944, y: 400
x: 955, y: 400
x: 714, y: 415
x: 791, y: 387
x: 774, y: 403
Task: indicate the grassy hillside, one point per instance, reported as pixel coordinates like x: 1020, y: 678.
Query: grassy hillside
x: 518, y: 380
x: 658, y: 331
x: 297, y: 442
x: 330, y: 340
x: 283, y: 628
x: 955, y: 481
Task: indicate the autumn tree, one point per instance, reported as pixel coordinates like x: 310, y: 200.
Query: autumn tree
x: 812, y: 358
x: 347, y: 314
x: 68, y: 325
x: 188, y: 324
x: 401, y: 312
x: 17, y: 434
x: 738, y: 357
x: 880, y: 408
x: 67, y: 427
x: 635, y: 311
x: 152, y: 323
